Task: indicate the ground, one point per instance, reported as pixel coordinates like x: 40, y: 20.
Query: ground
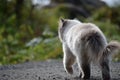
x: 50, y: 70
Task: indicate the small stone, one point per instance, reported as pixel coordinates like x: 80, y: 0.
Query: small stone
x: 39, y: 78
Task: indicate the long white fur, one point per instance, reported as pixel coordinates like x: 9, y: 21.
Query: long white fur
x: 74, y: 36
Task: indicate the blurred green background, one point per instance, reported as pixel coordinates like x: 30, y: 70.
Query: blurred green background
x: 28, y: 28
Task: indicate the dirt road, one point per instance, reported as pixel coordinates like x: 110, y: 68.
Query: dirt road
x: 50, y: 70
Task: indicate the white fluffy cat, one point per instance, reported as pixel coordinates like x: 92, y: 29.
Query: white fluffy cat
x: 85, y: 43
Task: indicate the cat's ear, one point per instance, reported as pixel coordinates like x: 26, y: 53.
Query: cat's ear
x: 62, y: 20
x: 76, y: 19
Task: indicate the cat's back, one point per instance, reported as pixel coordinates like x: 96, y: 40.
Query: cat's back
x: 82, y: 28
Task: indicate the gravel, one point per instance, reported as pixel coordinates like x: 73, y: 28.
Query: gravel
x: 51, y: 70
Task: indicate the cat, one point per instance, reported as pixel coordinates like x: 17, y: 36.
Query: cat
x: 85, y: 43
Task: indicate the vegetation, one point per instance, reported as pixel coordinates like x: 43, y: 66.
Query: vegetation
x: 29, y: 33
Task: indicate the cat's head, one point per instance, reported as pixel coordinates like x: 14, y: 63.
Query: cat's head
x: 65, y: 24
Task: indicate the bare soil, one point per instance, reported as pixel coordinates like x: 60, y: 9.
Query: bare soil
x: 51, y: 70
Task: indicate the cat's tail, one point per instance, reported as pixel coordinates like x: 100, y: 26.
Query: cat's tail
x: 95, y: 43
x: 112, y: 47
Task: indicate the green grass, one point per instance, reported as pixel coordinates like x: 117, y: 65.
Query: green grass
x: 13, y: 39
